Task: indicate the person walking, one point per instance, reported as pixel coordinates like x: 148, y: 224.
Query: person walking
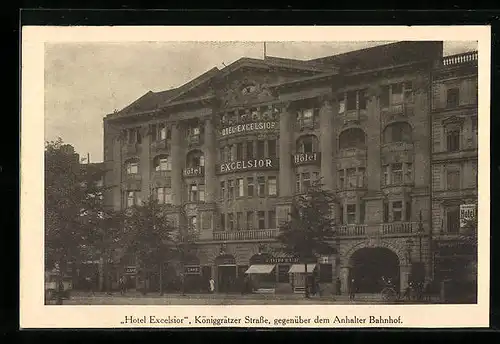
x: 211, y: 285
x: 338, y: 285
x: 352, y: 290
x: 121, y: 285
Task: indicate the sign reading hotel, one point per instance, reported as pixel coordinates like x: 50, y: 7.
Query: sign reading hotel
x: 248, y: 128
x: 467, y: 213
x: 247, y: 165
x: 306, y: 158
x: 194, y: 171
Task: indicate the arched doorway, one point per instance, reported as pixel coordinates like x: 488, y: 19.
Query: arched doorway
x: 371, y: 266
x: 226, y: 273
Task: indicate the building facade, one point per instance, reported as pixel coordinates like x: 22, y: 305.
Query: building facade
x: 227, y: 151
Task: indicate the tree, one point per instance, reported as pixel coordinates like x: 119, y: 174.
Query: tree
x: 149, y: 236
x: 66, y: 204
x: 311, y: 228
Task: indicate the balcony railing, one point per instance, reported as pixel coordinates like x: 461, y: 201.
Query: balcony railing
x: 460, y: 58
x: 131, y: 149
x: 160, y: 145
x: 399, y: 228
x: 246, y: 234
x: 351, y: 230
x: 380, y: 229
x: 352, y: 152
x: 396, y: 147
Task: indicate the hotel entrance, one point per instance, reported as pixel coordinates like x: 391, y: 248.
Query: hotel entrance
x: 371, y: 267
x: 226, y: 274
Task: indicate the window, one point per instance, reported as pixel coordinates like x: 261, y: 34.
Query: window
x: 398, y: 132
x: 229, y: 153
x: 162, y: 130
x: 262, y: 219
x: 154, y: 132
x: 163, y: 163
x: 452, y: 97
x: 351, y: 177
x: 239, y: 151
x: 271, y: 148
x: 341, y: 217
x: 409, y: 173
x: 283, y: 276
x: 385, y: 96
x: 352, y: 138
x: 222, y: 154
x: 230, y: 189
x: 250, y: 220
x: 239, y: 220
x: 362, y: 209
x: 222, y: 190
x: 250, y: 186
x: 386, y: 212
x: 132, y: 167
x: 271, y: 219
x: 222, y: 222
x: 341, y: 104
x: 341, y: 179
x: 250, y: 150
x: 260, y: 149
x: 201, y: 192
x: 453, y: 219
x: 134, y: 136
x: 351, y: 213
x: 361, y: 177
x: 261, y: 188
x: 230, y: 221
x: 297, y: 183
x: 307, y: 144
x: 408, y: 211
x: 408, y: 92
x: 397, y: 93
x: 397, y: 211
x: 271, y: 186
x: 453, y: 140
x: 315, y: 176
x: 193, y: 222
x: 386, y: 175
x: 306, y: 181
x: 307, y: 117
x: 195, y: 159
x: 164, y: 195
x: 453, y: 179
x: 240, y: 187
x: 397, y: 173
x: 169, y: 133
x: 351, y: 100
x: 131, y: 198
x: 325, y: 273
x: 193, y: 193
x: 362, y: 99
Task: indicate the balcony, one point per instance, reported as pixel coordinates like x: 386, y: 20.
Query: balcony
x: 396, y: 228
x: 194, y: 140
x: 399, y: 228
x: 460, y: 58
x: 161, y: 145
x: 351, y: 230
x: 256, y: 234
x: 397, y: 147
x: 394, y: 111
x: 352, y: 152
x: 198, y: 171
x: 306, y: 159
x: 131, y: 149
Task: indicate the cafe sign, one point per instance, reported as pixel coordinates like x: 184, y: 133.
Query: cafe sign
x: 192, y: 270
x: 247, y: 165
x: 249, y: 127
x: 306, y: 158
x: 467, y: 213
x: 194, y: 171
x: 130, y: 270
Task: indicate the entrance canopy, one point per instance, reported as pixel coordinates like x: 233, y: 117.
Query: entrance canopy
x: 300, y: 268
x: 260, y: 269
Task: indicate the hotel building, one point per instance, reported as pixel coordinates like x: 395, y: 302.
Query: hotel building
x: 227, y: 151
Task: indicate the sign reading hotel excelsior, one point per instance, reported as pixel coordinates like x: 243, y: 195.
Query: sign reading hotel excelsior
x: 249, y: 127
x: 246, y: 165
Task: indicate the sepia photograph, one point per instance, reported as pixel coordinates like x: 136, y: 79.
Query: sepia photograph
x: 260, y: 172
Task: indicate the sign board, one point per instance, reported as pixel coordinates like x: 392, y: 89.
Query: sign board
x: 306, y: 158
x: 247, y: 165
x: 249, y: 127
x: 130, y: 270
x: 282, y: 260
x: 192, y: 270
x: 194, y: 171
x: 467, y: 213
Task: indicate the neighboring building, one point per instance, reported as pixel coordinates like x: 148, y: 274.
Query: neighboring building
x: 454, y: 164
x: 231, y: 147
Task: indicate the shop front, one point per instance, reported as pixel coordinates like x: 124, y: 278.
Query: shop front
x: 226, y: 274
x: 193, y: 279
x: 260, y: 277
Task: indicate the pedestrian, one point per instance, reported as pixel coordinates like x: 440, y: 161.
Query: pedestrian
x: 352, y: 289
x: 338, y: 284
x: 211, y: 285
x: 318, y: 287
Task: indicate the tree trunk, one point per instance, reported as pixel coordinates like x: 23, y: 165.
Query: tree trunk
x: 306, y: 284
x: 161, y: 279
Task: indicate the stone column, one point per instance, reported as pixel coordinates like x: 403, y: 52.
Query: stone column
x: 404, y: 276
x: 373, y: 141
x: 286, y: 173
x: 327, y: 143
x: 344, y: 279
x: 210, y: 153
x: 145, y: 166
x: 177, y: 164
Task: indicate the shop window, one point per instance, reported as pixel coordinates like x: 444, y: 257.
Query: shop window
x: 262, y: 219
x: 261, y: 187
x: 230, y: 189
x: 222, y: 190
x: 325, y: 273
x: 250, y: 153
x: 250, y: 220
x: 283, y: 276
x: 453, y: 219
x: 351, y: 214
x: 239, y: 220
x: 271, y: 186
x: 271, y: 219
x: 397, y: 211
x: 452, y: 97
x: 250, y: 186
x: 132, y: 167
x: 271, y: 148
x: 352, y: 138
x: 240, y: 192
x: 453, y: 139
x: 230, y: 221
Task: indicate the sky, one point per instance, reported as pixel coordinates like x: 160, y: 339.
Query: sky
x: 86, y: 81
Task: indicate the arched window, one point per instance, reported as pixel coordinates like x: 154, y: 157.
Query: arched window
x: 307, y: 144
x: 195, y: 159
x: 397, y: 132
x: 163, y: 163
x: 352, y: 138
x: 132, y: 166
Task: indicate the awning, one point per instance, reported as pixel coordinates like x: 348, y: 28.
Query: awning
x: 300, y: 268
x: 260, y: 269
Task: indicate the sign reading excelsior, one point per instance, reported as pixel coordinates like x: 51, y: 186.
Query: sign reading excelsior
x: 243, y: 165
x: 249, y: 127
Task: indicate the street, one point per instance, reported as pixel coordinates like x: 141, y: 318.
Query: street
x: 82, y: 298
